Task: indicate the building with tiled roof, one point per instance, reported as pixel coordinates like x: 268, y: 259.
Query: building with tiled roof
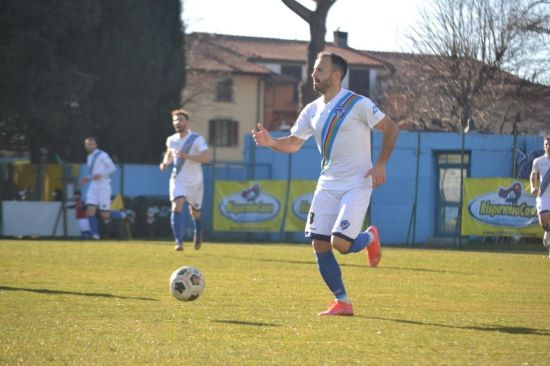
x: 234, y: 82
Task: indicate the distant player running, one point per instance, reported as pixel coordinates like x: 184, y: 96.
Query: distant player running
x: 100, y: 167
x: 188, y: 151
x: 340, y: 122
x: 540, y: 179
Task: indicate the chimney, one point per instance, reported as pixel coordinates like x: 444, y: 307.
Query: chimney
x: 340, y: 38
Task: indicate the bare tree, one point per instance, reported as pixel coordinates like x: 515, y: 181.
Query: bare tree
x: 471, y: 42
x: 535, y: 18
x: 317, y: 28
x: 201, y: 85
x: 533, y: 22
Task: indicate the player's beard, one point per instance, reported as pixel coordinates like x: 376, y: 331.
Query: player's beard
x: 321, y: 86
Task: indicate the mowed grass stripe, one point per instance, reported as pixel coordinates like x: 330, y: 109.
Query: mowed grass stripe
x: 108, y: 303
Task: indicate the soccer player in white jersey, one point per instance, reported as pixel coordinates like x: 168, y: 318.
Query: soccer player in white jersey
x: 188, y: 151
x: 100, y: 167
x: 340, y: 121
x: 540, y: 179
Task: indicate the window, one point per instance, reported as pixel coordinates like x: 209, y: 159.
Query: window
x: 359, y: 81
x: 224, y: 90
x: 223, y: 132
x: 294, y: 71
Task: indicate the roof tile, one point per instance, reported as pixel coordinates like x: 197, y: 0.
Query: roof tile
x: 216, y: 52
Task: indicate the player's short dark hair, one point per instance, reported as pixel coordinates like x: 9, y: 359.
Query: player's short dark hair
x: 337, y: 61
x: 180, y: 112
x: 547, y: 138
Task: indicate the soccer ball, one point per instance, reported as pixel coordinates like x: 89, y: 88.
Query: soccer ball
x: 186, y: 283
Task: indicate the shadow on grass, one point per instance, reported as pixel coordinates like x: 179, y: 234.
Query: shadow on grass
x: 489, y: 328
x: 59, y: 292
x: 242, y: 322
x: 312, y: 262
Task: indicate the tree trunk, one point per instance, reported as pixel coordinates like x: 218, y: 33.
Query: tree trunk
x: 317, y: 28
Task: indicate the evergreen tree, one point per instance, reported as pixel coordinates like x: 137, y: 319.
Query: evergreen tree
x: 72, y: 68
x: 139, y: 68
x: 43, y: 93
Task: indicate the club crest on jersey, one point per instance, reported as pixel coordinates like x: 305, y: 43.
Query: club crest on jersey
x: 339, y: 111
x: 344, y: 224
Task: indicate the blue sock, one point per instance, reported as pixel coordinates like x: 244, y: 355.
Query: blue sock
x: 176, y: 220
x: 362, y: 240
x: 93, y: 225
x: 118, y: 214
x: 198, y: 225
x: 330, y: 271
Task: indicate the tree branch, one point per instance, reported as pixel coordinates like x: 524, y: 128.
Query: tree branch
x: 299, y: 9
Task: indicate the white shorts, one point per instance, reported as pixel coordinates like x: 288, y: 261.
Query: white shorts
x: 543, y: 204
x: 193, y: 194
x: 100, y: 196
x: 339, y: 213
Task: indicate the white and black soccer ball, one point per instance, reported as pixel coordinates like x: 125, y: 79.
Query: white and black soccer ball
x: 186, y: 283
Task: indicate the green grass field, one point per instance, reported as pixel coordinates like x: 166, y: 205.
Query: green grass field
x: 108, y: 303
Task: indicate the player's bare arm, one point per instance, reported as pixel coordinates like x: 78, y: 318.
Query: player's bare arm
x: 86, y: 180
x: 166, y: 160
x: 287, y: 144
x: 534, y: 179
x: 390, y: 131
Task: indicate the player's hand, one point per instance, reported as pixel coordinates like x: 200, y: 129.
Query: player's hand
x: 262, y: 136
x: 535, y: 191
x: 163, y: 166
x: 378, y: 174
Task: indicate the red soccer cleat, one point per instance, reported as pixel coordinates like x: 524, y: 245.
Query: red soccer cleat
x: 338, y: 308
x: 374, y: 251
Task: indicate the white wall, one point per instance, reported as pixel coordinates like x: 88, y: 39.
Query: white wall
x: 36, y: 218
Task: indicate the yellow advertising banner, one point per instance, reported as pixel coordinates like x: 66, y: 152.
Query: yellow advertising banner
x: 499, y: 207
x: 301, y: 194
x: 259, y: 205
x: 249, y: 205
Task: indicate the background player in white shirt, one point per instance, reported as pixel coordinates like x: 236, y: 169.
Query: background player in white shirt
x: 100, y: 167
x: 340, y: 122
x: 540, y: 180
x: 188, y: 151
